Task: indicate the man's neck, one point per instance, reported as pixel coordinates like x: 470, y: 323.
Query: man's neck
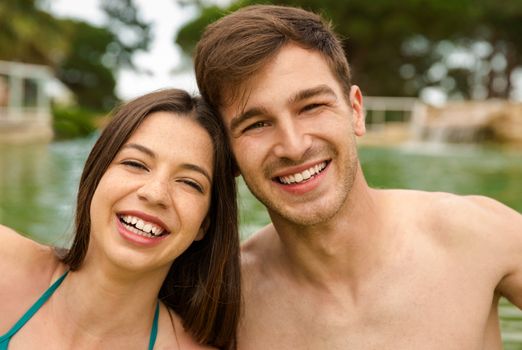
x: 349, y: 247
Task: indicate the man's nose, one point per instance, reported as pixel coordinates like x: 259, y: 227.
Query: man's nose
x: 292, y: 140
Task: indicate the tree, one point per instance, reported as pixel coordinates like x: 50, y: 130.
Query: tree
x: 84, y: 57
x: 130, y: 33
x: 28, y: 34
x: 398, y: 48
x: 83, y: 70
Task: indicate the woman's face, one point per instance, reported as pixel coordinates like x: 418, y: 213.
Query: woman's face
x: 151, y: 203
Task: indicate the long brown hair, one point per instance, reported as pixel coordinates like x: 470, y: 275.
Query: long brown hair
x: 203, y: 283
x: 235, y: 48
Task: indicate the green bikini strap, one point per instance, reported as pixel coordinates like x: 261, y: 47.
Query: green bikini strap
x: 35, y: 307
x: 154, y: 330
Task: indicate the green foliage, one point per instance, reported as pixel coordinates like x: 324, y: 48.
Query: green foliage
x: 92, y: 82
x: 83, y: 56
x: 28, y: 34
x: 123, y: 18
x: 393, y: 45
x: 188, y: 35
x: 72, y: 122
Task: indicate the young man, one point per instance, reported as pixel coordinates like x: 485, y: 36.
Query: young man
x: 344, y: 266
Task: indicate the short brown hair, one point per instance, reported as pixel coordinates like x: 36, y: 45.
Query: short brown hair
x: 236, y: 47
x: 203, y: 283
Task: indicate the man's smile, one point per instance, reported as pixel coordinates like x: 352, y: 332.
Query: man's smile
x: 305, y: 175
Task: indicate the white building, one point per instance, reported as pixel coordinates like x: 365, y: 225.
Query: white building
x: 25, y: 111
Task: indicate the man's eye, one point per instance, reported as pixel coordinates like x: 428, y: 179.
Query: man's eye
x: 134, y: 164
x: 312, y: 106
x: 255, y: 125
x: 192, y: 184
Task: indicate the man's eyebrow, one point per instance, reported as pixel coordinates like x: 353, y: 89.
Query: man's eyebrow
x: 241, y: 118
x: 307, y: 93
x: 299, y: 96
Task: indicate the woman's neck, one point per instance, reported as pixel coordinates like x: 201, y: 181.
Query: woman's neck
x: 95, y: 302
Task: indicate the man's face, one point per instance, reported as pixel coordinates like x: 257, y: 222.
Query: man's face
x: 294, y: 137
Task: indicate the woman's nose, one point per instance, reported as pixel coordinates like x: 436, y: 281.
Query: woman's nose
x: 155, y: 191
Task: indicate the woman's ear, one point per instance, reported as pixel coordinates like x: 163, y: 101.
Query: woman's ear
x: 203, y: 229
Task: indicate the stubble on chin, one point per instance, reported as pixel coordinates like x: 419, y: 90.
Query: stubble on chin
x: 317, y: 212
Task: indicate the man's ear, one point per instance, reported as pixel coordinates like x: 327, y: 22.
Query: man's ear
x: 203, y: 229
x: 358, y: 117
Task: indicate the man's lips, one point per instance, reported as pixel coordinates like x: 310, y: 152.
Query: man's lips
x: 302, y: 175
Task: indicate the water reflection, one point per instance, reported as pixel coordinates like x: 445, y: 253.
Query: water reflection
x: 38, y: 183
x: 463, y: 170
x: 38, y: 187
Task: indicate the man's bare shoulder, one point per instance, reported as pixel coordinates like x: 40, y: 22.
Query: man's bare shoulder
x: 455, y: 223
x: 260, y: 261
x: 258, y: 246
x: 445, y: 212
x: 473, y: 226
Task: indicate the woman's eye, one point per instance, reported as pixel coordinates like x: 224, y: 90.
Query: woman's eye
x: 193, y: 184
x: 134, y: 164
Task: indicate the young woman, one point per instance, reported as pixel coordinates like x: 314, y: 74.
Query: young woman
x: 154, y: 261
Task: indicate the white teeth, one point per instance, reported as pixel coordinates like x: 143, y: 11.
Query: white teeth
x: 305, y: 175
x: 140, y: 227
x: 138, y: 232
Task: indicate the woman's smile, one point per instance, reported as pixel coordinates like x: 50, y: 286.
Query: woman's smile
x: 154, y: 194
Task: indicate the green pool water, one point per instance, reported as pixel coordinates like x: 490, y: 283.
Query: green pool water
x: 38, y: 187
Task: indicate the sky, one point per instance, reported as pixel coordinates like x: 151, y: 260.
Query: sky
x: 163, y: 58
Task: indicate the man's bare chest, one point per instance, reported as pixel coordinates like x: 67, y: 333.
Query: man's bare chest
x: 420, y: 308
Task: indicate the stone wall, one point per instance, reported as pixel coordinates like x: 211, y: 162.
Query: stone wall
x: 472, y: 121
x: 25, y: 126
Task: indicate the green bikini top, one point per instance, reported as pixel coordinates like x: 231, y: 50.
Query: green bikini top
x: 6, y: 338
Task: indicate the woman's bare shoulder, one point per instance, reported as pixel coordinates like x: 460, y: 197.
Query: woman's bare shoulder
x: 20, y: 251
x: 26, y: 268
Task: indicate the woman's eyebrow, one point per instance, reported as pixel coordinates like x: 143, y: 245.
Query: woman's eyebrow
x: 197, y: 168
x: 188, y: 166
x: 141, y: 148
